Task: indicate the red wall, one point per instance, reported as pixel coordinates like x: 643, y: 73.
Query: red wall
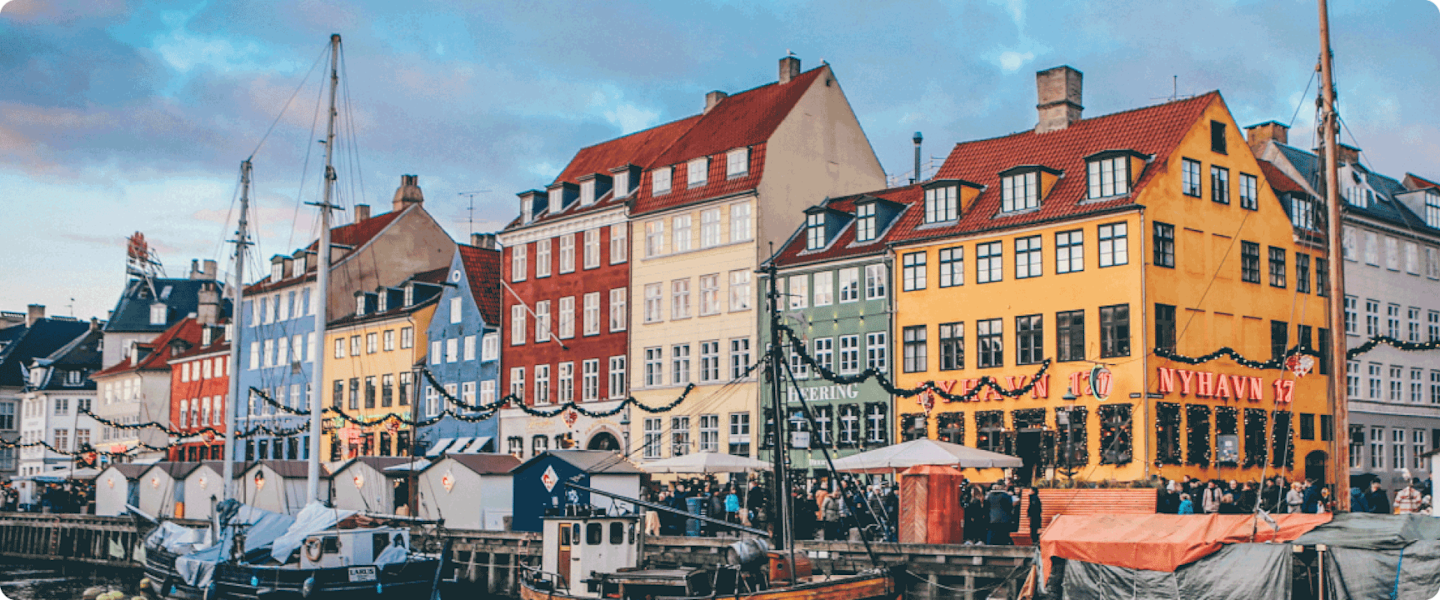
x: 195, y: 389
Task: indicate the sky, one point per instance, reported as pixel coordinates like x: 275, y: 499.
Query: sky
x: 119, y: 116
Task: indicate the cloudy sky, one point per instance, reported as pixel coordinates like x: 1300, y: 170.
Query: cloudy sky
x: 118, y: 116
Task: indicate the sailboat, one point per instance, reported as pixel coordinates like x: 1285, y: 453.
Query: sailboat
x: 321, y: 551
x: 588, y: 554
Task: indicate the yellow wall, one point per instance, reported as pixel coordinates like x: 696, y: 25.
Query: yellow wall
x: 377, y: 364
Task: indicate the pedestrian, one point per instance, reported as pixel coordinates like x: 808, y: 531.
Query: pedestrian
x: 1249, y: 497
x: 1036, y: 512
x: 1210, y: 503
x: 1186, y: 506
x: 1169, y: 501
x: 1407, y: 500
x: 999, y: 503
x: 1311, y: 503
x: 1357, y: 501
x: 975, y: 515
x: 1295, y: 498
x: 1327, y: 504
x: 1269, y: 495
x: 732, y: 504
x: 1228, y: 505
x: 1377, y: 500
x: 832, y: 517
x: 755, y: 505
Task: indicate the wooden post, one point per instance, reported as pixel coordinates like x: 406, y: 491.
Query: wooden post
x: 1339, y: 405
x: 490, y: 573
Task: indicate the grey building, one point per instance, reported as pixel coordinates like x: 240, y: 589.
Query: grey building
x: 1391, y: 246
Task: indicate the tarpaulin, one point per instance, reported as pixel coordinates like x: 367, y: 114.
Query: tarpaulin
x: 1375, y: 532
x: 1409, y: 572
x: 314, y: 517
x: 1238, y: 571
x: 1161, y: 542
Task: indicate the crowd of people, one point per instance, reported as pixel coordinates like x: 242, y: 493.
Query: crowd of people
x: 1189, y: 496
x: 992, y: 514
x: 51, y: 497
x: 823, y: 510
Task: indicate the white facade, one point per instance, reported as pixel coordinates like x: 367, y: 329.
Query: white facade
x: 129, y: 398
x: 203, y: 486
x: 465, y: 499
x: 55, y: 418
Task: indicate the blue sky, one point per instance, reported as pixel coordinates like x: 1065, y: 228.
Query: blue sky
x: 126, y: 116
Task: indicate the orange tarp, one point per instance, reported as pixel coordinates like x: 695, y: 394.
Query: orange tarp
x: 1162, y: 542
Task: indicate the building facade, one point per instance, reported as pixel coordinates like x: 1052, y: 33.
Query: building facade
x: 199, y: 393
x: 34, y: 337
x: 136, y: 391
x: 464, y: 355
x: 57, y: 395
x: 1076, y: 265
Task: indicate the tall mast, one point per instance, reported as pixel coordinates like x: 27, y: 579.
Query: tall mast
x: 242, y: 240
x: 322, y: 280
x: 1329, y: 136
x: 777, y: 373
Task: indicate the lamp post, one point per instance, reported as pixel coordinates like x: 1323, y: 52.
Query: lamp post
x: 1063, y: 418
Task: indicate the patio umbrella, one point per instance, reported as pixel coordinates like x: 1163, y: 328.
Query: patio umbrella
x: 705, y: 462
x: 924, y: 451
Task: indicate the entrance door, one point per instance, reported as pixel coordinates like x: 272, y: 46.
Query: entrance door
x: 562, y: 558
x: 1315, y: 463
x: 1028, y: 444
x: 603, y: 441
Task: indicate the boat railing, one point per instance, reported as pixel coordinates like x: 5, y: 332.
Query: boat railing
x: 557, y: 581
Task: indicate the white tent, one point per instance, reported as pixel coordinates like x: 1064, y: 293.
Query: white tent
x: 705, y: 462
x: 924, y: 451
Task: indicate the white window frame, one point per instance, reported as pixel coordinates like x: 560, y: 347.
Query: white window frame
x: 681, y: 234
x: 710, y: 294
x: 591, y: 303
x: 1027, y: 185
x: 823, y: 292
x: 697, y: 172
x: 542, y: 384
x: 660, y: 181
x: 619, y: 243
x: 740, y: 226
x: 542, y: 257
x: 710, y: 228
x: 567, y: 253
x: 590, y: 380
x: 942, y: 204
x: 876, y: 282
x: 740, y: 296
x: 567, y: 317
x: 592, y: 248
x: 680, y: 299
x: 542, y: 321
x: 618, y: 314
x: 850, y: 285
x: 654, y: 238
x: 518, y: 269
x: 617, y: 377
x: 517, y: 325
x: 737, y: 163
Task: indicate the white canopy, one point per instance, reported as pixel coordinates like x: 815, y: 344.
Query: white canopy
x: 924, y: 451
x: 705, y: 462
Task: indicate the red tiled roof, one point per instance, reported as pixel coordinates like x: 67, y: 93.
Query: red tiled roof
x: 1421, y: 182
x: 1154, y: 130
x: 159, y: 358
x: 1278, y: 180
x: 431, y: 276
x: 844, y: 245
x: 482, y: 268
x: 354, y: 235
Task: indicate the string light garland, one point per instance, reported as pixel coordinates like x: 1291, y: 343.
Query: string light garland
x: 1278, y: 363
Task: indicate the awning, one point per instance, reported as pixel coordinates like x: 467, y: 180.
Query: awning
x: 924, y: 451
x: 705, y: 462
x: 459, y: 445
x: 439, y: 447
x: 476, y: 446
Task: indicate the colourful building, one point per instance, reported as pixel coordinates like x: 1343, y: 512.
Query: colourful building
x: 199, y: 393
x: 1067, y: 262
x: 464, y: 355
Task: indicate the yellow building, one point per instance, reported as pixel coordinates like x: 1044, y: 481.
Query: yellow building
x: 370, y: 360
x: 1084, y: 251
x: 707, y: 211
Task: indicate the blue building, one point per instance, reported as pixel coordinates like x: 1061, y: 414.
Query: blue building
x: 278, y: 349
x: 539, y: 484
x: 464, y: 354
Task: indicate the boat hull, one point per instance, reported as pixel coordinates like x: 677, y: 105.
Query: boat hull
x: 877, y: 586
x: 413, y: 579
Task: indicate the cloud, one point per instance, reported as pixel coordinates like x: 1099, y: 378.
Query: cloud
x: 1011, y: 61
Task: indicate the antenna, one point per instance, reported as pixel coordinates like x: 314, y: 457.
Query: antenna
x: 471, y: 209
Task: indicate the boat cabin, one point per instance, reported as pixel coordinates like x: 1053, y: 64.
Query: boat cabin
x: 346, y: 547
x: 577, y: 548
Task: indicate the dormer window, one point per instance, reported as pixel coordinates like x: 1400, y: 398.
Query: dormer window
x: 382, y: 301
x: 360, y: 305
x: 1020, y: 191
x: 277, y: 271
x: 622, y: 183
x: 298, y: 267
x: 1432, y: 209
x: 737, y: 162
x: 865, y: 222
x: 660, y: 181
x: 158, y: 313
x: 1109, y: 176
x: 410, y: 294
x: 815, y: 231
x: 72, y: 378
x: 587, y: 192
x: 557, y: 198
x: 697, y: 171
x: 941, y: 204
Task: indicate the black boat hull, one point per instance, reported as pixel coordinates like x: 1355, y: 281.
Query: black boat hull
x: 410, y: 580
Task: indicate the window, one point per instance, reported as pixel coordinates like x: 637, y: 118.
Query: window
x: 740, y: 434
x: 1372, y: 317
x: 1029, y: 339
x: 370, y: 390
x: 1115, y: 331
x: 739, y: 222
x: 1070, y: 335
x: 654, y: 238
x: 679, y: 436
x: 1432, y: 210
x: 1190, y: 178
x: 824, y: 289
x: 913, y: 273
x: 567, y: 317
x: 617, y: 377
x: 1374, y: 381
x: 1250, y: 262
x: 1279, y: 339
x: 654, y: 367
x: 739, y: 290
x: 952, y: 346
x: 1372, y: 249
x: 988, y: 267
x: 849, y: 354
x: 799, y: 291
x: 824, y: 355
x: 542, y: 257
x: 660, y: 181
x: 914, y: 349
x: 1396, y: 374
x: 1417, y: 386
x: 989, y: 343
x: 1248, y: 198
x: 1219, y: 184
x: 1392, y: 254
x: 517, y: 325
x: 952, y: 266
x: 1027, y: 257
x: 1277, y: 267
x: 617, y: 309
x: 1109, y: 177
x: 737, y: 162
x: 1302, y: 215
x: 567, y: 253
x: 517, y: 383
x: 696, y: 171
x: 590, y: 380
x: 1020, y: 191
x: 865, y: 222
x: 739, y: 357
x: 1392, y: 319
x: 452, y: 350
x: 849, y: 285
x: 941, y: 204
x: 1114, y: 245
x: 619, y: 243
x: 1070, y: 251
x: 875, y: 279
x: 1302, y: 272
x: 681, y: 235
x: 517, y: 262
x: 542, y: 321
x: 354, y: 403
x: 876, y: 423
x: 1377, y: 447
x: 710, y: 361
x: 1165, y: 327
x: 592, y: 313
x: 1412, y: 258
x: 680, y: 364
x: 1164, y: 245
x: 407, y: 336
x: 62, y: 440
x: 1217, y: 137
x: 564, y: 382
x: 1433, y: 318
x: 158, y: 312
x: 1413, y: 324
x: 709, y: 433
x: 877, y: 351
x: 592, y: 248
x: 653, y: 302
x: 710, y: 228
x: 680, y: 299
x: 815, y: 231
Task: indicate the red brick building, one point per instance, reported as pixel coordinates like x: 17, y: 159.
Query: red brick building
x: 199, y: 393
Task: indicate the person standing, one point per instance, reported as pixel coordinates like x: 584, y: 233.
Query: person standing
x: 1377, y: 499
x: 999, y: 503
x: 1035, y: 511
x: 1407, y: 500
x: 973, y: 505
x: 832, y: 517
x: 1211, y: 500
x: 1311, y: 504
x: 1294, y: 499
x: 1186, y: 506
x: 755, y: 505
x: 732, y: 504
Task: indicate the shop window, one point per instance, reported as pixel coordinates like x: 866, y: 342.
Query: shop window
x: 1282, y: 440
x: 1115, y: 434
x: 990, y: 430
x: 1073, y: 443
x: 1227, y: 436
x: 1197, y: 434
x: 1256, y: 442
x: 913, y: 427
x: 950, y: 427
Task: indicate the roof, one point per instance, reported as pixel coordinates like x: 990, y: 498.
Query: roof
x: 80, y: 354
x: 354, y: 235
x: 186, y: 329
x: 435, y: 276
x: 378, y: 463
x: 482, y: 268
x: 1278, y: 180
x: 290, y: 469
x: 21, y: 344
x: 1385, y: 207
x: 844, y: 245
x: 181, y: 296
x: 180, y: 470
x: 1420, y: 182
x: 483, y: 464
x: 589, y: 461
x: 1153, y: 130
x: 746, y: 119
x: 217, y: 344
x: 129, y: 470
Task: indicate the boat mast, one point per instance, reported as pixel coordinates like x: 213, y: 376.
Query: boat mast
x: 322, y: 279
x: 1337, y: 358
x: 242, y: 240
x: 782, y: 536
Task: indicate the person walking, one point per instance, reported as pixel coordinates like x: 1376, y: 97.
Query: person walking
x: 1186, y: 506
x: 1035, y: 511
x: 1211, y: 500
x: 1311, y: 504
x: 999, y: 503
x: 973, y: 505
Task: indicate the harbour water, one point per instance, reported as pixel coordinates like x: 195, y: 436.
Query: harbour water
x: 25, y: 580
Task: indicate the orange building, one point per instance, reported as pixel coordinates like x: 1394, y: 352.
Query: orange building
x: 1067, y: 261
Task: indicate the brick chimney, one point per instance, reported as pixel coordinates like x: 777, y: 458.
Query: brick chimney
x: 362, y: 213
x: 1058, y: 91
x: 205, y: 269
x: 483, y: 240
x: 1257, y: 135
x: 208, y: 310
x: 1349, y: 155
x: 34, y: 313
x: 408, y: 193
x: 789, y: 68
x: 713, y: 98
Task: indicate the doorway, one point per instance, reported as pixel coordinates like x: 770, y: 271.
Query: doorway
x: 1315, y: 464
x: 562, y: 556
x: 604, y: 441
x: 1028, y: 444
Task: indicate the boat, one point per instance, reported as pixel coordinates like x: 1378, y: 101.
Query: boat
x: 248, y: 553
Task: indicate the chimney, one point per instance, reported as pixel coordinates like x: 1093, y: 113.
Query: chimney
x: 917, y: 139
x: 195, y: 269
x: 34, y: 313
x: 408, y: 193
x: 208, y: 311
x: 1257, y: 135
x: 789, y: 68
x: 1058, y: 90
x: 94, y: 324
x: 483, y: 240
x: 1349, y: 155
x: 362, y: 213
x: 713, y: 98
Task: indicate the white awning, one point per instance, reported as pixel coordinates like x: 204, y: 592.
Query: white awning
x: 459, y: 446
x: 476, y: 446
x: 439, y: 447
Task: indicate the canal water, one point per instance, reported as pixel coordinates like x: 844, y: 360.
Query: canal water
x: 23, y: 580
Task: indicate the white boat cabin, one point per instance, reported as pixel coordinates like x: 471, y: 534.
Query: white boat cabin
x: 575, y: 548
x: 350, y: 547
